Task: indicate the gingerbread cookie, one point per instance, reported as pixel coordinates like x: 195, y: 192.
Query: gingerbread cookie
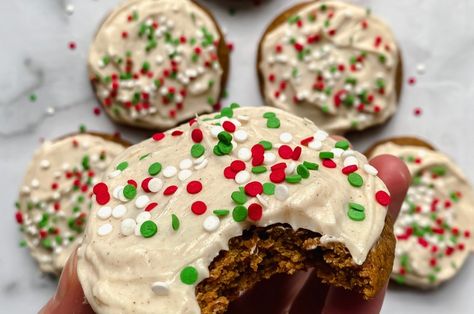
x: 436, y: 222
x: 54, y: 200
x: 156, y: 63
x: 332, y: 62
x: 215, y: 205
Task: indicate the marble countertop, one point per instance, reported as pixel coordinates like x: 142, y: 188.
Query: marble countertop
x: 46, y: 93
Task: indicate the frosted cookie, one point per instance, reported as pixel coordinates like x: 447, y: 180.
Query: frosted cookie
x: 218, y: 204
x: 435, y: 226
x: 156, y: 63
x: 332, y: 62
x: 54, y: 200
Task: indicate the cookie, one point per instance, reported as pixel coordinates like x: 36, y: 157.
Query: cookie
x: 332, y: 62
x: 54, y: 201
x: 227, y: 200
x: 436, y: 222
x: 156, y: 63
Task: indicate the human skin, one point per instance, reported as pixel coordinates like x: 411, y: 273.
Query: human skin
x: 299, y: 294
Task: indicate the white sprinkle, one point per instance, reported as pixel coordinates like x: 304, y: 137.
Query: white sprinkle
x: 290, y: 168
x: 202, y: 165
x: 127, y: 227
x: 183, y: 175
x: 160, y: 288
x: 119, y: 211
x: 142, y: 217
x: 242, y: 177
x: 320, y: 135
x: 281, y: 192
x: 421, y: 68
x: 269, y: 158
x: 316, y: 145
x: 185, y: 164
x: 286, y: 137
x: 44, y: 164
x: 240, y: 136
x: 117, y: 191
x: 34, y: 183
x: 216, y: 129
x: 337, y: 152
x: 370, y: 169
x: 50, y: 110
x: 104, y: 229
x: 142, y: 201
x: 69, y: 9
x: 243, y: 118
x: 170, y: 171
x: 122, y: 196
x: 199, y: 160
x: 263, y: 200
x: 155, y: 184
x: 211, y: 223
x: 244, y: 154
x: 351, y: 160
x: 348, y: 153
x: 104, y: 212
x: 114, y: 173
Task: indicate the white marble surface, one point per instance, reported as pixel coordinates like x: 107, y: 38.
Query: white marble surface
x: 35, y: 58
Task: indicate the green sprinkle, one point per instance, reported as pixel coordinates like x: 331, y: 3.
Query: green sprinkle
x: 355, y: 179
x: 438, y: 170
x: 227, y: 112
x: 85, y: 162
x: 326, y: 155
x: 239, y: 197
x: 293, y: 179
x: 23, y: 243
x: 224, y: 137
x: 266, y: 145
x: 310, y: 165
x: 33, y: 97
x: 148, y: 229
x: 217, y: 151
x: 144, y: 156
x: 342, y: 145
x: 356, y: 215
x: 188, y: 275
x: 239, y: 213
x: 122, y: 166
x: 174, y: 222
x: 225, y: 148
x: 221, y: 212
x: 400, y: 279
x: 234, y: 105
x: 269, y: 188
x: 259, y: 169
x: 269, y: 114
x: 129, y: 191
x: 356, y: 206
x: 302, y: 171
x: 273, y: 123
x: 154, y: 169
x: 197, y: 150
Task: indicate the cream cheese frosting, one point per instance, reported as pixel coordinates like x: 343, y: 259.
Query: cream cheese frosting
x: 332, y: 62
x: 54, y: 199
x: 435, y: 227
x: 155, y: 63
x: 186, y: 192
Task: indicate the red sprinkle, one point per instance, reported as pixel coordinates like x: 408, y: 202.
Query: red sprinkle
x: 145, y: 183
x: 198, y: 207
x: 329, y: 163
x: 170, y: 190
x: 285, y: 152
x: 158, y: 136
x: 196, y: 135
x: 150, y: 206
x: 229, y: 173
x: 307, y: 140
x: 278, y: 166
x: 228, y: 126
x: 194, y: 187
x: 132, y: 182
x: 277, y: 176
x: 296, y: 153
x: 237, y: 165
x: 383, y: 198
x: 257, y: 160
x: 253, y: 188
x: 177, y: 133
x: 349, y: 169
x: 257, y: 150
x: 255, y: 212
x: 19, y: 217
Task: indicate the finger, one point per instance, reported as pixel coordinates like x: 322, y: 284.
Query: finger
x: 397, y: 178
x: 69, y: 297
x: 311, y: 297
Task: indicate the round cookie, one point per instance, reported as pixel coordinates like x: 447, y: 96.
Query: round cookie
x: 435, y: 226
x: 227, y: 200
x: 332, y: 62
x: 54, y: 200
x: 156, y: 63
